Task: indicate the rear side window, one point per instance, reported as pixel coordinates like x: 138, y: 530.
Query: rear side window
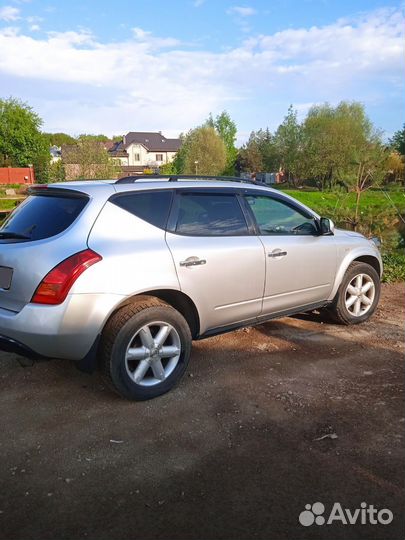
x: 151, y: 206
x: 42, y: 216
x: 207, y: 214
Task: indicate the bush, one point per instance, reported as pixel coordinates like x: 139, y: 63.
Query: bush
x: 167, y: 168
x: 394, y: 267
x: 57, y: 172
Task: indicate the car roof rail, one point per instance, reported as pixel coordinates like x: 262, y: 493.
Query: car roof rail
x: 179, y: 177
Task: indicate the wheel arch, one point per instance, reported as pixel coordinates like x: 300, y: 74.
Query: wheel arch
x: 372, y: 261
x: 370, y: 258
x: 175, y: 298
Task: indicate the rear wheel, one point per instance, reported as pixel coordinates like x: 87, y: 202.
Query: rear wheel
x: 358, y: 295
x: 145, y: 349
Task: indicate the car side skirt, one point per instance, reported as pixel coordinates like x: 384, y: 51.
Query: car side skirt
x: 261, y: 319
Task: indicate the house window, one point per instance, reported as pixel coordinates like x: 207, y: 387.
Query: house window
x: 137, y: 157
x: 159, y: 157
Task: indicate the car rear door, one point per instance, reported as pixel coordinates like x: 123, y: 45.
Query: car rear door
x: 300, y: 263
x: 219, y: 261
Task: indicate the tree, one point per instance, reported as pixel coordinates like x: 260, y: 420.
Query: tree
x: 57, y: 139
x: 180, y: 157
x: 57, y: 171
x: 368, y: 169
x: 397, y: 141
x: 395, y: 167
x: 267, y: 146
x: 89, y: 160
x: 202, y: 152
x: 250, y: 158
x: 91, y: 137
x: 332, y: 137
x: 226, y: 129
x: 288, y: 142
x: 21, y: 141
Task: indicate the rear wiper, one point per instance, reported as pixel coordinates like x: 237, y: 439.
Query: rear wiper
x: 10, y: 234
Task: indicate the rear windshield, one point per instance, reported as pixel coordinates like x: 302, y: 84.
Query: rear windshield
x: 41, y: 216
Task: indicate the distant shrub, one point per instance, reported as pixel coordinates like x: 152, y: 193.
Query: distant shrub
x: 394, y: 267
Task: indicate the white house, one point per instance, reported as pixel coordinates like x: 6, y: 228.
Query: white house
x: 56, y: 153
x: 144, y: 149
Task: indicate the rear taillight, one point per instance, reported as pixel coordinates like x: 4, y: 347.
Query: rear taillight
x: 55, y: 286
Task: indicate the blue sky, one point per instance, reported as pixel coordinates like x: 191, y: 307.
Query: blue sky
x: 111, y: 67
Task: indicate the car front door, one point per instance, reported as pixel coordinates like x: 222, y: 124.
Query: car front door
x: 300, y: 263
x: 219, y: 261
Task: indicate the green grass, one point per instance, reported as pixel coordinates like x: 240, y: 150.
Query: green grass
x: 8, y: 204
x: 3, y: 188
x: 326, y: 203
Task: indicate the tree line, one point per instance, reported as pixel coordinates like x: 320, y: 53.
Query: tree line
x: 333, y: 147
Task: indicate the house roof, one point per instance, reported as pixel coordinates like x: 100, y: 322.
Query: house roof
x: 108, y: 144
x: 152, y: 141
x: 120, y: 152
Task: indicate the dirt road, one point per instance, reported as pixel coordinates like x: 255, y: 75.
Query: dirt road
x: 236, y: 451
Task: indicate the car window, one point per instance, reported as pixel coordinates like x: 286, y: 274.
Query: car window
x: 151, y: 206
x: 43, y: 216
x: 276, y: 217
x: 208, y: 214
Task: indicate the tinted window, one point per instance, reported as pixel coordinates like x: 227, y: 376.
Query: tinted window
x: 151, y: 206
x: 43, y: 216
x: 204, y: 214
x: 276, y: 217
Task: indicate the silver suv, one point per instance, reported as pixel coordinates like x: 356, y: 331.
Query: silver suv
x: 125, y: 274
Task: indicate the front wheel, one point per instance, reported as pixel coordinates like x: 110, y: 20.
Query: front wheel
x: 358, y: 295
x: 145, y: 349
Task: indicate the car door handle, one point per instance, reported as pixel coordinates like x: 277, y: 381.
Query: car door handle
x: 277, y: 253
x: 193, y: 261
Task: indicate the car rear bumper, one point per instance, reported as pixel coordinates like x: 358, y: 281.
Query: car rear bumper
x: 68, y: 330
x: 11, y: 345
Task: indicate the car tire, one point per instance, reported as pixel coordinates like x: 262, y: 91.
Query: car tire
x: 134, y: 350
x: 350, y: 298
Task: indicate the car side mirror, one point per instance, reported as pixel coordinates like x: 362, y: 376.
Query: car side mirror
x: 326, y: 226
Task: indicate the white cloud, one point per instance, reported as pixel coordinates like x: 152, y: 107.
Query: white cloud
x: 241, y: 11
x: 9, y: 14
x: 198, y: 3
x: 34, y: 19
x: 78, y: 83
x: 33, y: 22
x: 240, y: 15
x: 148, y: 39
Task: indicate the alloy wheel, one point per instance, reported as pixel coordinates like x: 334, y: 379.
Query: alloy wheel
x: 153, y: 353
x: 360, y: 294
